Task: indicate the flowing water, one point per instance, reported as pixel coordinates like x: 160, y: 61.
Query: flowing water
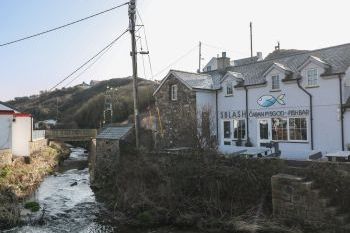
x: 67, y: 202
x: 69, y: 205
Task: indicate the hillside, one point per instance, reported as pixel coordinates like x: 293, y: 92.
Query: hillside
x: 76, y: 107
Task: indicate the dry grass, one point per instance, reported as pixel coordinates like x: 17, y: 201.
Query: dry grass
x: 24, y: 178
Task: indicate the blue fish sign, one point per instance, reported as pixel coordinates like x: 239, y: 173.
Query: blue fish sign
x: 269, y: 100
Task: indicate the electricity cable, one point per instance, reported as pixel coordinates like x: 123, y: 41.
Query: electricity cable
x: 63, y: 26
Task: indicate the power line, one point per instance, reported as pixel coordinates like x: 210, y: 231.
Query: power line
x: 146, y: 42
x: 93, y: 63
x: 63, y: 26
x: 176, y: 61
x: 96, y: 55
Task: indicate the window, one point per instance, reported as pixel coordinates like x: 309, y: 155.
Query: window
x: 227, y: 129
x: 312, y: 77
x: 229, y: 89
x: 275, y: 82
x: 208, y: 68
x: 173, y: 92
x: 279, y: 129
x: 239, y: 129
x: 297, y: 129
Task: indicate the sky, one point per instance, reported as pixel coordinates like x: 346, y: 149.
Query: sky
x: 173, y: 28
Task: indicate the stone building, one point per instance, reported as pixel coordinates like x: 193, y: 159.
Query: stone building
x: 109, y: 147
x: 179, y: 102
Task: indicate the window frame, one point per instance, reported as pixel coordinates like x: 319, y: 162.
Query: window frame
x: 229, y: 140
x: 286, y: 121
x: 315, y: 81
x: 233, y: 129
x: 229, y: 85
x: 173, y: 92
x: 289, y: 130
x: 273, y: 84
x: 226, y: 141
x: 300, y: 128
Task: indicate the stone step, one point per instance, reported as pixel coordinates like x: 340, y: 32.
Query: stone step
x: 325, y: 202
x: 331, y: 211
x: 346, y: 228
x: 342, y: 219
x: 296, y: 171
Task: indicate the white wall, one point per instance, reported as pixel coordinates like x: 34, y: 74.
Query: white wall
x: 347, y: 129
x: 205, y: 100
x: 5, y: 131
x: 346, y: 85
x: 325, y: 110
x: 21, y: 135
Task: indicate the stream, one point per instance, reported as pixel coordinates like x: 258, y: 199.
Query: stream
x: 69, y: 205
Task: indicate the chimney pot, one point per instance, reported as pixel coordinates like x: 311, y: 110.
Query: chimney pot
x: 259, y: 55
x: 223, y: 54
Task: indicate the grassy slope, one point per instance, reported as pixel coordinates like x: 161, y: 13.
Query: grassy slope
x: 84, y: 108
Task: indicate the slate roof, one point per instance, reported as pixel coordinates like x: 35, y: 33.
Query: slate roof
x: 196, y: 80
x: 6, y: 107
x: 282, y: 53
x: 245, y: 61
x: 114, y: 133
x: 347, y: 104
x: 199, y: 81
x: 338, y: 57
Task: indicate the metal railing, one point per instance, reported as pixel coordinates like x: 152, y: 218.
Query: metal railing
x: 38, y: 134
x: 71, y: 133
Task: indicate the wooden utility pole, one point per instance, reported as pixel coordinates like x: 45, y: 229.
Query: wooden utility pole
x: 200, y: 57
x: 251, y: 39
x: 132, y: 19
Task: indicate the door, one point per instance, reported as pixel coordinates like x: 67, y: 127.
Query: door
x: 264, y: 132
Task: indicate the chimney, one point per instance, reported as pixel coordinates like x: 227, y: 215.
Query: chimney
x: 278, y: 46
x: 259, y: 55
x: 223, y: 62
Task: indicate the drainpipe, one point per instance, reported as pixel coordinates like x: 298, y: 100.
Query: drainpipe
x: 341, y: 111
x: 31, y: 129
x: 217, y: 116
x: 248, y: 143
x: 311, y: 113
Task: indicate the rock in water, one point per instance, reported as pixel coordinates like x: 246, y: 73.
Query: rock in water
x: 74, y: 184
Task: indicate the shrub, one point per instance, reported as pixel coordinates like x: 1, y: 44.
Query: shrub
x: 32, y: 206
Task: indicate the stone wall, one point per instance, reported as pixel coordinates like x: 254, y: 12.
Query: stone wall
x: 295, y: 199
x: 37, y: 146
x: 5, y: 157
x: 92, y: 160
x: 178, y: 118
x: 107, y: 156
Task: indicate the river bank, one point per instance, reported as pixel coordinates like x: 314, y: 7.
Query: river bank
x: 20, y: 179
x: 67, y: 204
x: 203, y: 192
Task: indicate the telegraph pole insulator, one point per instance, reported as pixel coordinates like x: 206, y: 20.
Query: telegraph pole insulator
x: 132, y: 20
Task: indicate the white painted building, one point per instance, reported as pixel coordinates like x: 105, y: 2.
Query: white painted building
x: 15, y: 130
x: 300, y: 99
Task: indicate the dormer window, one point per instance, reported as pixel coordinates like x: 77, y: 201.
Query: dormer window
x: 173, y: 92
x: 229, y: 89
x: 275, y: 82
x: 208, y: 68
x: 312, y: 77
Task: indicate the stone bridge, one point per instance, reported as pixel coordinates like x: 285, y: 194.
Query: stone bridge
x: 71, y: 135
